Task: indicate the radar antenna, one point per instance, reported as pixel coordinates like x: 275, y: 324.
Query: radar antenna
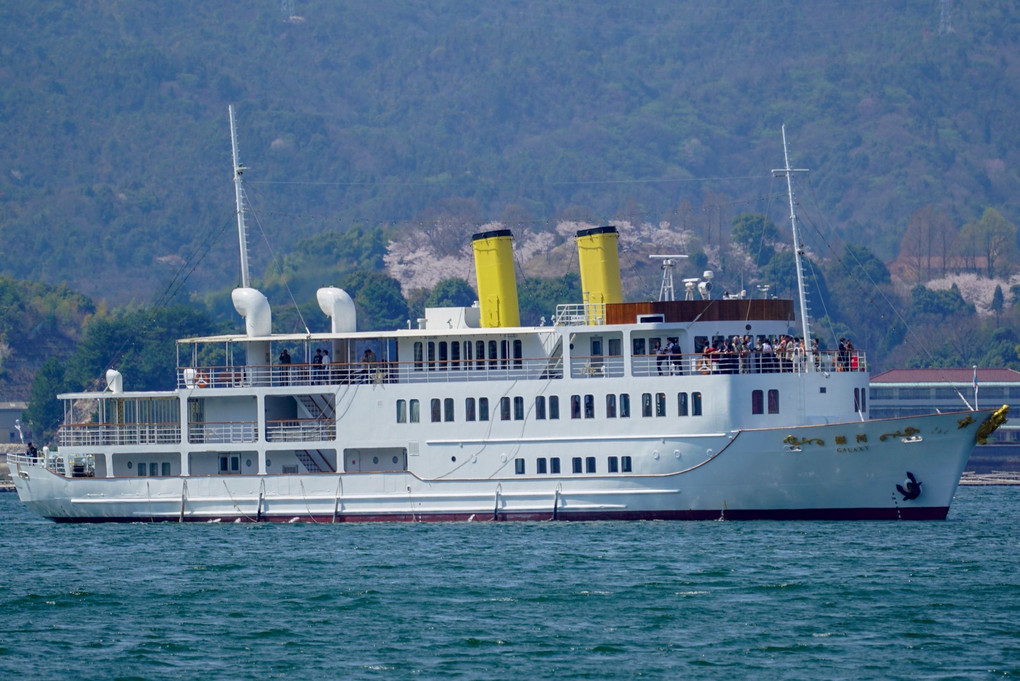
x: 666, y: 290
x: 242, y: 230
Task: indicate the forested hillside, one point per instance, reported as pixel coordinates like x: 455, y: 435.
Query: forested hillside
x: 115, y: 148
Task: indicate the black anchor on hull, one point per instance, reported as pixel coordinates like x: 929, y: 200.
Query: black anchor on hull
x: 911, y: 488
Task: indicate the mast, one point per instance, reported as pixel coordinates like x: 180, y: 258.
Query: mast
x: 798, y: 248
x: 242, y: 230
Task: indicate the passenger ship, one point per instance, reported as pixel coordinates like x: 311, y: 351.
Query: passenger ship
x: 473, y: 417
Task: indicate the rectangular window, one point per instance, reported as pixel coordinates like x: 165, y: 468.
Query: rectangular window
x: 166, y: 468
x: 696, y: 404
x: 519, y: 466
x: 455, y: 355
x: 554, y: 407
x: 575, y: 406
x: 223, y: 467
x: 757, y: 402
x: 504, y: 408
x: 417, y: 355
x: 467, y: 355
x: 469, y: 409
x: 610, y: 406
x: 646, y: 404
x: 773, y: 401
x: 436, y: 416
x: 554, y: 465
x: 153, y: 469
x: 857, y: 399
x: 625, y: 464
x: 518, y: 354
x: 448, y: 409
x: 483, y: 408
x: 624, y: 406
x: 660, y: 404
x: 589, y: 464
x: 431, y: 346
x: 414, y: 412
x: 540, y: 408
x: 681, y: 404
x: 401, y: 411
x: 443, y: 356
x: 504, y: 354
x: 479, y: 354
x: 614, y: 465
x: 589, y: 406
x: 518, y: 409
x: 639, y: 346
x: 576, y: 464
x: 540, y: 466
x: 492, y: 354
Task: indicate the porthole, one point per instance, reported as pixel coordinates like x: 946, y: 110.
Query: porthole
x: 395, y: 459
x: 502, y: 458
x: 269, y: 462
x: 247, y: 462
x: 655, y: 455
x: 129, y: 465
x: 375, y: 459
x: 676, y: 453
x: 453, y: 458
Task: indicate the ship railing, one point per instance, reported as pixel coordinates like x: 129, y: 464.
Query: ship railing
x: 88, y: 434
x: 76, y: 466
x: 300, y: 430
x: 596, y: 366
x: 222, y: 432
x: 745, y: 363
x: 418, y: 371
x: 575, y: 314
x: 510, y: 368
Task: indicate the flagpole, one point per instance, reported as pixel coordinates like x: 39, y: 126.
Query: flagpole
x: 975, y: 388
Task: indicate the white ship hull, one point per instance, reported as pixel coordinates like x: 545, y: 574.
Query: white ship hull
x: 756, y: 474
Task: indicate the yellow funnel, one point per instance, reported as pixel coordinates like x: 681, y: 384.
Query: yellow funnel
x: 598, y: 253
x: 497, y: 285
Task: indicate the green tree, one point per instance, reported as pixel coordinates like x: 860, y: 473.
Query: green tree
x: 44, y: 412
x: 378, y: 300
x: 998, y: 300
x: 451, y: 293
x: 757, y: 234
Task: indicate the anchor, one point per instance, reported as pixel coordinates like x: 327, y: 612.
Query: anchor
x: 913, y: 487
